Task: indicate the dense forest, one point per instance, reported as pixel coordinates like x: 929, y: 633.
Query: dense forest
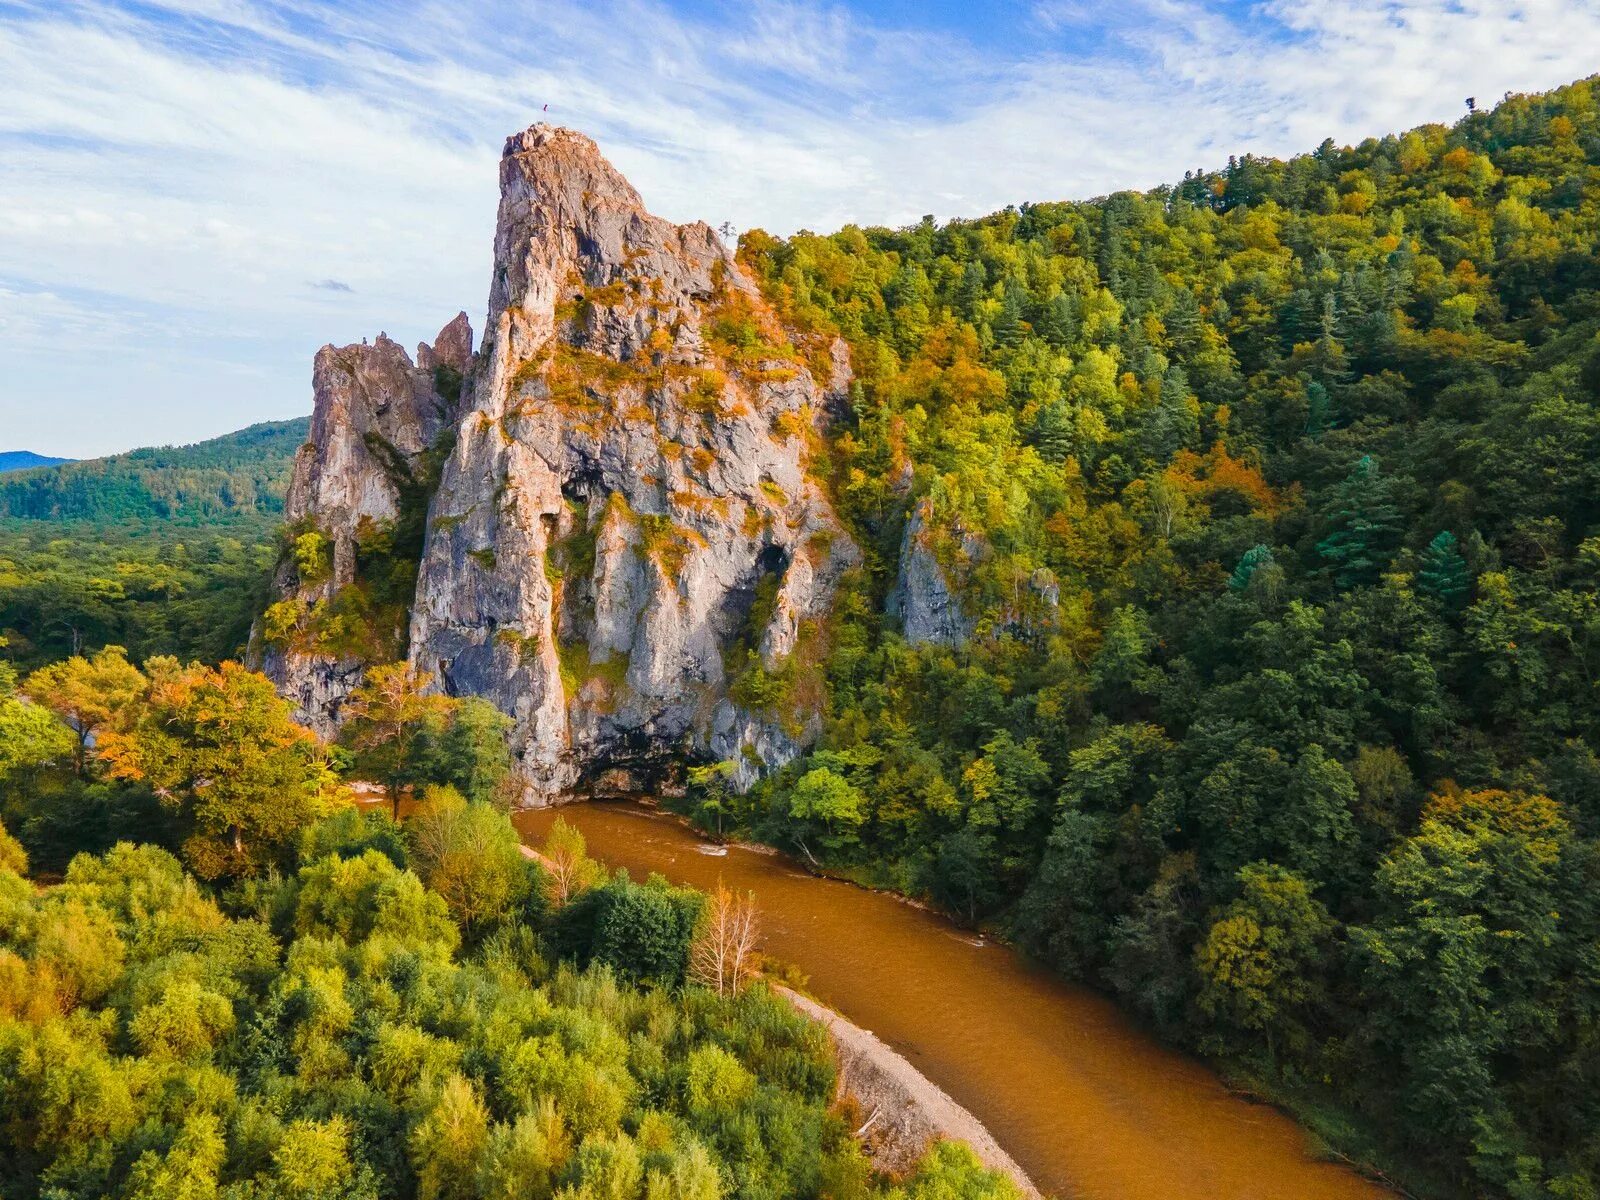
x: 342, y: 1006
x: 1272, y: 502
x: 150, y: 586
x: 162, y: 550
x: 239, y: 476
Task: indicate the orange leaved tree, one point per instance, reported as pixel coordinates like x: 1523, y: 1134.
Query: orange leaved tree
x: 219, y: 744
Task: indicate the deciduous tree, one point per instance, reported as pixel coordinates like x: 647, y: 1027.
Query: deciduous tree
x: 383, y: 720
x: 92, y: 695
x: 724, y: 953
x: 219, y: 744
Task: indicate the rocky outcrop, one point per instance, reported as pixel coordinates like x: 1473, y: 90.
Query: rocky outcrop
x: 625, y: 551
x: 376, y: 418
x: 922, y: 598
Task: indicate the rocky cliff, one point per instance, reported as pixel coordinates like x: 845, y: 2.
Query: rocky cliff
x: 922, y: 598
x: 625, y: 550
x: 358, y: 492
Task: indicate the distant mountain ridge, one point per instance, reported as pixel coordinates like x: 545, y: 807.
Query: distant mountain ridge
x: 22, y: 460
x: 237, y: 476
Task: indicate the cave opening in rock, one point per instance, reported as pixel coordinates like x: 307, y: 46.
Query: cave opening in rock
x: 748, y: 607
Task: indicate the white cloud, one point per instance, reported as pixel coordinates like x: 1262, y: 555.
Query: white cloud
x: 192, y: 181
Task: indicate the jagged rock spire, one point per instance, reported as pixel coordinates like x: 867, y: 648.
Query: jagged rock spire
x: 626, y: 524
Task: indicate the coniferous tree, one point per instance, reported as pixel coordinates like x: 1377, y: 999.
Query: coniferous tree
x: 971, y: 291
x: 1008, y: 327
x: 1319, y: 409
x: 1443, y: 572
x: 1364, y: 524
x: 1253, y: 560
x: 1052, y: 431
x: 1174, y: 425
x: 1058, y: 323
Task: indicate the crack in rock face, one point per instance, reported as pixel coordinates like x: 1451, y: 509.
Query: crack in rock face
x: 624, y: 550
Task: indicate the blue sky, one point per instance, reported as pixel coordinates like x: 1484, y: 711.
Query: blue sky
x: 195, y: 195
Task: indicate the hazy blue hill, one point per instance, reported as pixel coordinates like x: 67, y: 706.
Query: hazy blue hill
x: 239, y: 475
x: 22, y: 460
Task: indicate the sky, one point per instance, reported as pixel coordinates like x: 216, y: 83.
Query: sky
x: 197, y: 194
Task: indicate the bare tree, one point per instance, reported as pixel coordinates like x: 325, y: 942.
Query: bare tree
x: 567, y: 865
x: 724, y: 954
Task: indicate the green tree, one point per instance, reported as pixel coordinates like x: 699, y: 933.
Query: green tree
x: 1123, y: 671
x: 1262, y: 959
x: 30, y: 736
x: 1363, y: 524
x: 1053, y: 430
x: 1174, y: 423
x: 1460, y: 962
x: 315, y: 1160
x: 219, y: 744
x: 450, y: 1143
x: 1254, y: 559
x: 825, y: 801
x: 470, y: 854
x: 951, y: 1171
x: 188, y: 1170
x: 1005, y: 789
x: 964, y: 876
x: 472, y: 754
x: 362, y: 897
x: 568, y: 869
x: 384, y: 720
x: 1442, y: 572
x: 644, y: 932
x: 13, y: 857
x: 92, y: 695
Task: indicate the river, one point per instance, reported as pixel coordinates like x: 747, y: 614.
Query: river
x: 1087, y: 1103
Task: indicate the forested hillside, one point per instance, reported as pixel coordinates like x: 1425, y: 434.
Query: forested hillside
x: 165, y: 550
x: 1272, y: 502
x: 151, y: 586
x: 1265, y: 694
x: 237, y: 476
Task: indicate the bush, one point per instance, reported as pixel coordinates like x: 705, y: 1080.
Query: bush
x: 642, y: 931
x: 470, y: 854
x: 349, y: 833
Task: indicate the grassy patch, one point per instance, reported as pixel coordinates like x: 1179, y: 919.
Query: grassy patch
x: 578, y: 671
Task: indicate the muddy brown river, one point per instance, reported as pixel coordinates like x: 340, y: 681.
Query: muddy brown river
x: 1089, y: 1104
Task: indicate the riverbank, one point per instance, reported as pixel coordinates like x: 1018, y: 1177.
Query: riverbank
x: 1088, y: 1104
x: 903, y: 1110
x: 1325, y: 1128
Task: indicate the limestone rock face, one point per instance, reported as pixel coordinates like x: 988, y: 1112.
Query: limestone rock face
x: 626, y: 523
x: 922, y: 598
x: 452, y: 348
x: 375, y: 415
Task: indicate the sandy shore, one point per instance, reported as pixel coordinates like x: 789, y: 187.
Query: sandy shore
x: 903, y: 1109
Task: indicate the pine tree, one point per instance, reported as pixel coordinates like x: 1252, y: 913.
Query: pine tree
x: 1009, y: 327
x: 1058, y: 323
x: 1182, y: 321
x: 970, y: 291
x: 1332, y: 360
x: 1443, y: 572
x: 1174, y: 425
x: 1363, y: 524
x: 1254, y: 559
x: 1319, y: 409
x: 1052, y: 431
